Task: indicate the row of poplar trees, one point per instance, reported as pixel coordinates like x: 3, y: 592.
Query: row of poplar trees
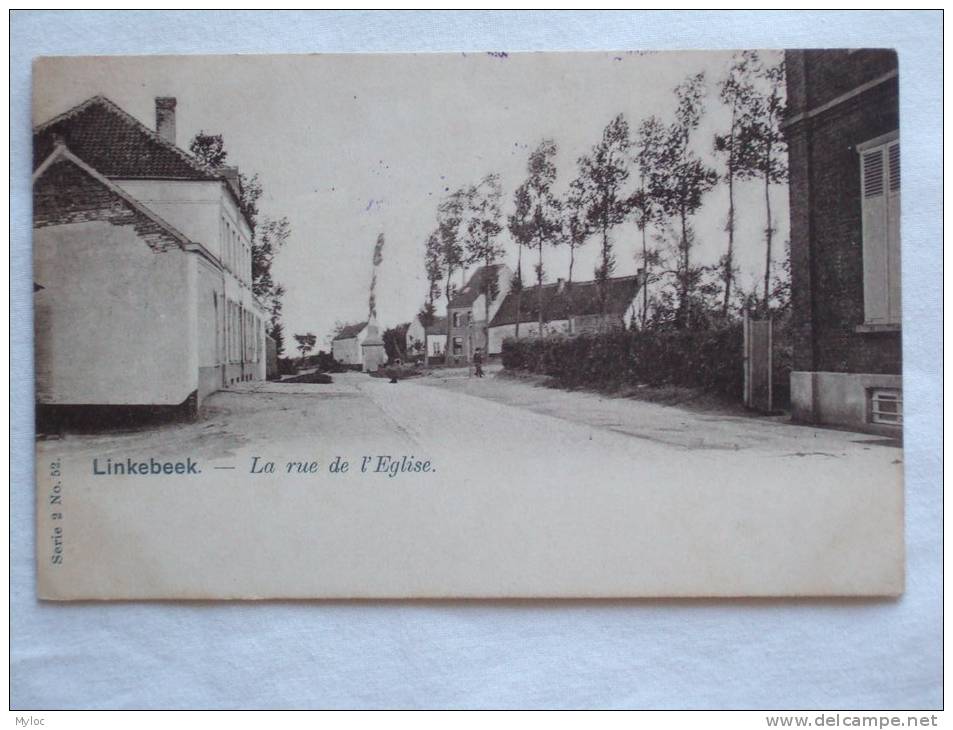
x: 655, y: 178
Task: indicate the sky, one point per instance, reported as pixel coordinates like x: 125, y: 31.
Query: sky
x: 348, y: 146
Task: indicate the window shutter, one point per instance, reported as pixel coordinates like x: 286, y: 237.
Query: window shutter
x: 874, y: 214
x: 893, y: 234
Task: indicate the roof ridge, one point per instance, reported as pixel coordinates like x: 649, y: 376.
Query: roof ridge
x: 152, y: 134
x: 587, y: 281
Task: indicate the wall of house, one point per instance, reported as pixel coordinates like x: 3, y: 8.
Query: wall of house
x: 826, y: 230
x: 271, y: 357
x: 839, y: 399
x: 210, y: 326
x: 194, y: 207
x: 436, y: 344
x: 113, y: 320
x: 460, y: 332
x: 591, y: 324
x: 347, y: 351
x: 837, y: 360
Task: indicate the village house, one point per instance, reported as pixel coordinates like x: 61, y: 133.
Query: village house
x: 359, y: 344
x: 467, y: 311
x: 568, y: 309
x: 430, y: 341
x: 143, y: 260
x: 346, y: 345
x: 844, y: 155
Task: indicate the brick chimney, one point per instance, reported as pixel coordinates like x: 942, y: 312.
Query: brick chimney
x: 165, y: 118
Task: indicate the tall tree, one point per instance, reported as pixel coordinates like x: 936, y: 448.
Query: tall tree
x: 376, y: 261
x: 736, y: 90
x: 603, y: 174
x: 770, y: 157
x: 451, y: 213
x: 270, y: 236
x: 433, y: 267
x: 647, y: 155
x: 482, y: 239
x: 576, y: 229
x: 538, y: 221
x: 517, y: 228
x: 681, y: 180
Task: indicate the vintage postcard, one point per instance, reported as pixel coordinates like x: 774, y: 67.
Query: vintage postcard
x: 474, y: 325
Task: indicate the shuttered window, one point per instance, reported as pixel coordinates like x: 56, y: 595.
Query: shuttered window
x: 880, y: 203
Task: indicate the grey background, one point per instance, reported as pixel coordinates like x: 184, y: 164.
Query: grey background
x: 627, y: 654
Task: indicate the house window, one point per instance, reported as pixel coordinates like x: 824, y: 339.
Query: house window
x: 457, y: 345
x: 456, y: 319
x: 880, y: 210
x: 885, y: 406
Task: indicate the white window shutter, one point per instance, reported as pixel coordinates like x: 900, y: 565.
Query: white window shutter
x: 874, y: 220
x: 893, y: 233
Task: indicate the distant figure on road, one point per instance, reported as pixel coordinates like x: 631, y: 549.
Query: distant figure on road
x: 478, y: 363
x: 394, y: 370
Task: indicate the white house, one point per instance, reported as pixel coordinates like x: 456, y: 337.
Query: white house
x: 568, y: 309
x: 432, y: 339
x: 346, y: 345
x: 142, y: 261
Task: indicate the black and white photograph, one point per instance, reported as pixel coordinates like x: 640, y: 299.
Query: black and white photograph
x: 497, y: 360
x: 598, y: 324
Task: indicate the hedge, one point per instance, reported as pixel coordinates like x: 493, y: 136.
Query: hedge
x: 709, y: 359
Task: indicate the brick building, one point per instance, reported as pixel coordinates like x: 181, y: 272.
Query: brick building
x: 142, y: 256
x: 844, y: 155
x: 473, y: 308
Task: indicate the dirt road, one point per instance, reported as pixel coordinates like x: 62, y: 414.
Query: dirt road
x: 529, y: 492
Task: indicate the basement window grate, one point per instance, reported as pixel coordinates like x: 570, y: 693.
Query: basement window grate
x: 886, y: 406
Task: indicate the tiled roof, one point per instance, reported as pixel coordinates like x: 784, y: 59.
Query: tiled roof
x: 116, y: 144
x: 350, y: 330
x: 580, y: 298
x: 474, y: 288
